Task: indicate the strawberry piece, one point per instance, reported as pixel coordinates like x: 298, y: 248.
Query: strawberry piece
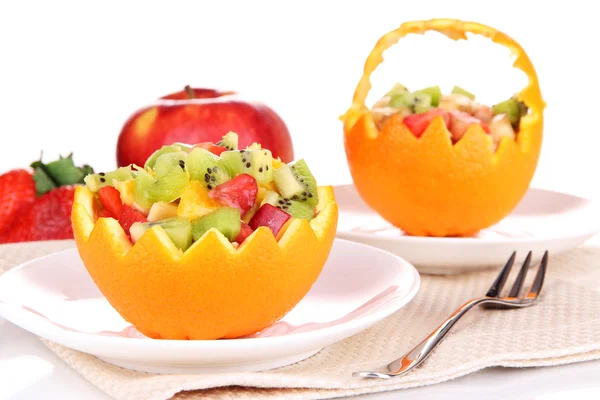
x: 48, y: 219
x: 245, y: 231
x: 271, y: 217
x: 240, y: 192
x: 129, y: 216
x: 417, y: 123
x: 17, y: 195
x: 213, y: 148
x: 110, y: 198
x: 104, y: 213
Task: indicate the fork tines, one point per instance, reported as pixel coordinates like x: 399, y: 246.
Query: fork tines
x: 536, y: 286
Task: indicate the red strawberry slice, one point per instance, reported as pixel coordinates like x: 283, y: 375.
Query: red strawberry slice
x: 17, y: 195
x: 129, y: 216
x: 417, y: 123
x: 271, y: 217
x: 110, y: 198
x: 213, y: 148
x: 104, y: 213
x: 48, y: 219
x: 245, y: 231
x: 240, y: 192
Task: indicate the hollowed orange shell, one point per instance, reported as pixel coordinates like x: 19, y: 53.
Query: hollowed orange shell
x: 212, y: 290
x: 427, y: 186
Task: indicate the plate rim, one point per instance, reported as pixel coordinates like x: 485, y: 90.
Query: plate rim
x: 50, y: 332
x: 590, y: 231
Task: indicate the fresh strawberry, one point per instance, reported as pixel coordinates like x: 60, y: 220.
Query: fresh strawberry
x: 129, y: 216
x: 271, y: 217
x: 213, y: 148
x: 240, y: 192
x: 417, y: 123
x: 245, y: 231
x: 17, y: 194
x: 48, y: 219
x: 23, y: 217
x: 110, y: 198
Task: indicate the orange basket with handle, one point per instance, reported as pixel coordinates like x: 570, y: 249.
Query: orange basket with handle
x: 428, y: 186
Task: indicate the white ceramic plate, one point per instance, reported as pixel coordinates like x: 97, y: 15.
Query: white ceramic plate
x: 55, y: 298
x: 544, y: 220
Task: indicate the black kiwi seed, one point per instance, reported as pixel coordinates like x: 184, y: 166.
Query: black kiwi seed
x: 310, y: 195
x: 206, y: 179
x: 208, y: 187
x: 281, y: 202
x: 295, y: 197
x: 260, y: 169
x: 301, y: 180
x: 102, y: 180
x: 209, y: 170
x: 212, y: 178
x: 286, y: 199
x: 101, y: 174
x: 303, y: 193
x: 182, y: 166
x: 242, y: 151
x: 248, y: 165
x: 206, y: 176
x: 243, y: 160
x: 267, y: 167
x: 304, y: 199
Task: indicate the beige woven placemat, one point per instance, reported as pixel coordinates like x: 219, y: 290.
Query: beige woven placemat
x: 564, y: 327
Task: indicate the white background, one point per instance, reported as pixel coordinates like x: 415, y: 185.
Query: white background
x: 72, y: 72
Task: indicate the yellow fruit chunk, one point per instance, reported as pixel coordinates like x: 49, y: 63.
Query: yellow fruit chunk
x: 194, y: 201
x: 127, y: 190
x: 162, y: 210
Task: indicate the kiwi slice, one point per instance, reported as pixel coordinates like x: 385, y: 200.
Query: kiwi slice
x: 296, y: 182
x: 397, y: 89
x: 96, y: 182
x: 297, y: 209
x: 178, y: 229
x: 416, y: 102
x: 226, y: 220
x: 509, y: 107
x: 463, y: 92
x: 203, y: 166
x: 434, y: 92
x: 422, y: 103
x: 229, y: 141
x: 151, y: 161
x: 256, y: 162
x: 167, y: 184
x: 403, y: 99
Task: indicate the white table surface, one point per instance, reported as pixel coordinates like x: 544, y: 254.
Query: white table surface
x: 29, y: 371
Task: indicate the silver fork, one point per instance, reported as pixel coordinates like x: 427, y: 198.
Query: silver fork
x: 492, y: 299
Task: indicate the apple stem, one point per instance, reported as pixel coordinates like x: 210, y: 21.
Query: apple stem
x: 190, y: 92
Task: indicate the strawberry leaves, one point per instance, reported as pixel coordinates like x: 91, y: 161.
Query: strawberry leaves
x: 61, y: 172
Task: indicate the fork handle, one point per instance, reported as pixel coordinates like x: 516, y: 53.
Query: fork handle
x: 417, y: 355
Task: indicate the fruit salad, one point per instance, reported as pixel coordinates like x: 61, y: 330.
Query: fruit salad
x: 459, y: 110
x: 188, y: 190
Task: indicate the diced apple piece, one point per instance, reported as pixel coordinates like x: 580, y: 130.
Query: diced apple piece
x: 460, y: 123
x: 162, y: 210
x: 500, y: 127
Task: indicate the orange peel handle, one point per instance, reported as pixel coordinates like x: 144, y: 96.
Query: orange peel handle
x: 454, y: 29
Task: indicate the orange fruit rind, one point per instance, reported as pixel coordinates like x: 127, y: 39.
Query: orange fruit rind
x: 427, y: 186
x: 213, y: 290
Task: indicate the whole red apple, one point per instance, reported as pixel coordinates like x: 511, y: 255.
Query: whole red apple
x: 201, y: 115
